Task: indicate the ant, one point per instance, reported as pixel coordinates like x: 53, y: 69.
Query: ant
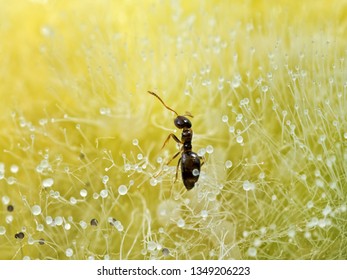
x: 190, y: 161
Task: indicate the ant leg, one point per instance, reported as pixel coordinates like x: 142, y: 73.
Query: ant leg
x: 175, y: 156
x: 177, y: 168
x: 202, y: 159
x: 174, y: 137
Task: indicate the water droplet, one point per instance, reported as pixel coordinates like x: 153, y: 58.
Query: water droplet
x: 11, y: 180
x: 83, y: 224
x: 2, y: 230
x: 105, y: 179
x: 36, y: 210
x: 58, y: 221
x: 319, y: 183
x: 309, y: 204
x: 327, y: 210
x: 201, y: 152
x: 47, y: 183
x: 40, y: 227
x: 104, y: 193
x: 248, y: 186
x: 47, y: 31
x: 153, y: 182
x: 14, y: 168
x: 151, y: 246
x: 257, y: 242
x: 180, y: 223
x: 228, y: 164
x: 73, y: 200
x: 135, y: 142
x: 49, y: 220
x: 122, y: 190
x: 239, y: 139
x: 195, y: 172
x: 204, y: 213
x: 67, y: 226
x: 69, y: 252
x: 252, y: 252
x: 165, y: 252
x: 104, y: 111
x: 83, y: 193
x: 139, y: 156
x: 209, y: 149
x: 5, y: 200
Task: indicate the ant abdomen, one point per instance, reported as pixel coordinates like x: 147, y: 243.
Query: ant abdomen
x: 190, y: 166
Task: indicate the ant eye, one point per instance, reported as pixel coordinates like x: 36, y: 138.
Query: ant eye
x: 182, y: 122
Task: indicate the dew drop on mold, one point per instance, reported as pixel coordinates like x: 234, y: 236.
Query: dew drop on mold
x: 14, y: 168
x: 257, y: 242
x: 49, y: 220
x: 67, y: 226
x: 9, y: 219
x: 139, y: 156
x: 73, y: 200
x: 165, y: 252
x: 228, y: 164
x: 180, y: 223
x: 151, y: 246
x: 40, y: 227
x: 248, y: 186
x: 204, y: 214
x: 2, y: 230
x: 83, y: 224
x: 209, y: 149
x: 58, y: 220
x: 153, y: 182
x: 47, y: 183
x: 83, y: 193
x: 252, y: 252
x: 195, y: 172
x: 36, y: 210
x: 309, y: 204
x: 105, y: 179
x: 5, y: 200
x: 239, y: 139
x: 122, y: 190
x: 104, y: 193
x: 69, y: 252
x: 201, y: 152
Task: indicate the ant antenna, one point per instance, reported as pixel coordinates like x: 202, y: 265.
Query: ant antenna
x: 150, y: 92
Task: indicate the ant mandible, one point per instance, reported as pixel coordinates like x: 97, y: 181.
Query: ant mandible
x: 190, y: 161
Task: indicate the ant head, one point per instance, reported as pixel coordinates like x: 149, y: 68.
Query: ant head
x: 182, y: 122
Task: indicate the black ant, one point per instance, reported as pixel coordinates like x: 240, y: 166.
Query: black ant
x: 190, y: 161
